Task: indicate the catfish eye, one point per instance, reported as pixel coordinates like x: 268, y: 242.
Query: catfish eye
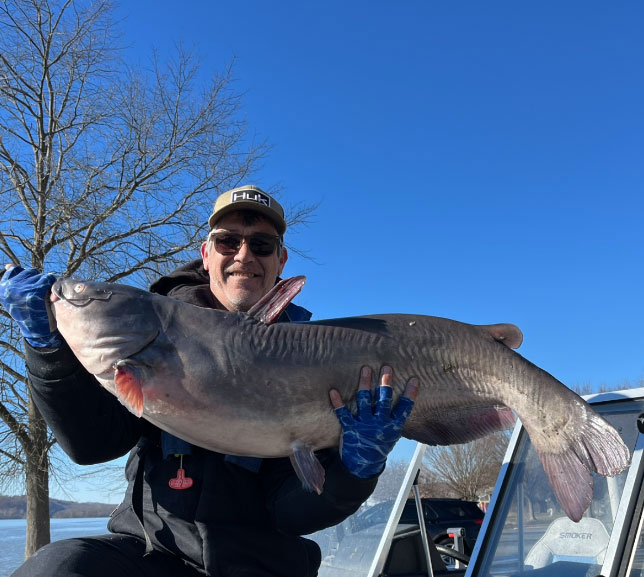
x: 79, y: 288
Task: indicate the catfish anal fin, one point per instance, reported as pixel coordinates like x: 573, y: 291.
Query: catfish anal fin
x: 129, y: 387
x: 307, y: 467
x: 457, y: 425
x: 269, y: 308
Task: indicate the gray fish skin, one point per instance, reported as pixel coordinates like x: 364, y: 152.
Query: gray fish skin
x: 230, y: 383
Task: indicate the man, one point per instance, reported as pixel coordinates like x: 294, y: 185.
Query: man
x: 188, y: 511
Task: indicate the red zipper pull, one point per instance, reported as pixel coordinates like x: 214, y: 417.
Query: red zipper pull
x: 181, y: 481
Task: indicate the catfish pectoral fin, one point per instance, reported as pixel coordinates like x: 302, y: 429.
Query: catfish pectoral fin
x: 129, y: 387
x: 307, y: 467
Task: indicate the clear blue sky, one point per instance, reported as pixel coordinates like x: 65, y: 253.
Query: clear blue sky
x: 481, y: 161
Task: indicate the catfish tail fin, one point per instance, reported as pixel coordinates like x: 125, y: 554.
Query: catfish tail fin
x: 595, y: 447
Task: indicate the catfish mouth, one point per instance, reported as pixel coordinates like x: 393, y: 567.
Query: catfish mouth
x: 75, y: 292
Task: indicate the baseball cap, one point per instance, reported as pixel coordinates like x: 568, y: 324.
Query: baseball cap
x: 249, y: 197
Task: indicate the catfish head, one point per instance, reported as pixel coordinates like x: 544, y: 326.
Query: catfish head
x: 103, y: 323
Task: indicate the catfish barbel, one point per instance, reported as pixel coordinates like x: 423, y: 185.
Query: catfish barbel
x: 237, y: 383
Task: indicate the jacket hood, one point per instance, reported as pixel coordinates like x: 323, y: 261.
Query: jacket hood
x: 189, y: 283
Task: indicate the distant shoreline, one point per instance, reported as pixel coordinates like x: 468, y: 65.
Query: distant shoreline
x: 15, y: 507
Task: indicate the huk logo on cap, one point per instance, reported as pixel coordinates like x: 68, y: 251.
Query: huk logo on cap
x: 250, y: 195
x: 249, y: 198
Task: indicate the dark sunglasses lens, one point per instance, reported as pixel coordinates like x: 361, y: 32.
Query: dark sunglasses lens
x: 262, y: 245
x: 228, y: 243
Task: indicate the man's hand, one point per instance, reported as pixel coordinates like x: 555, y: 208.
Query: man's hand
x: 370, y: 436
x: 23, y: 295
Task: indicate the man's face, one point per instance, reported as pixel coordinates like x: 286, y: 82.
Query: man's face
x: 239, y: 280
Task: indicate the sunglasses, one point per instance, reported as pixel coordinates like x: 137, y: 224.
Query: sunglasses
x: 259, y: 243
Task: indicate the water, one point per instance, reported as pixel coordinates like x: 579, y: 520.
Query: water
x: 12, y: 537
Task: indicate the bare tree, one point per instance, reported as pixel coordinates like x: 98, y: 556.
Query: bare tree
x: 105, y: 172
x: 468, y: 470
x: 390, y: 481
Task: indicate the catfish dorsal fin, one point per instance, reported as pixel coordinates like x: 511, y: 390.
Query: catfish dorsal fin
x: 269, y: 308
x: 506, y: 333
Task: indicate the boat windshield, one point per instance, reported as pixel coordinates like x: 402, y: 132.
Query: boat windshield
x: 528, y: 534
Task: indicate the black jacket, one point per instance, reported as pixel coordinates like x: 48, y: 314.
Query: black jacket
x: 238, y: 518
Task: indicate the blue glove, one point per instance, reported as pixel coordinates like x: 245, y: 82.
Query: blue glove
x: 22, y: 295
x: 369, y: 437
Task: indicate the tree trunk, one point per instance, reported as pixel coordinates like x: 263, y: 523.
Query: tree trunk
x: 529, y: 505
x: 105, y: 170
x: 37, y: 481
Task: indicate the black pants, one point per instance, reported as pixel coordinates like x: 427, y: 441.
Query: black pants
x: 102, y: 556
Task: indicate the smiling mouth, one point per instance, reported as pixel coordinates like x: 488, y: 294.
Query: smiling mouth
x: 248, y: 275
